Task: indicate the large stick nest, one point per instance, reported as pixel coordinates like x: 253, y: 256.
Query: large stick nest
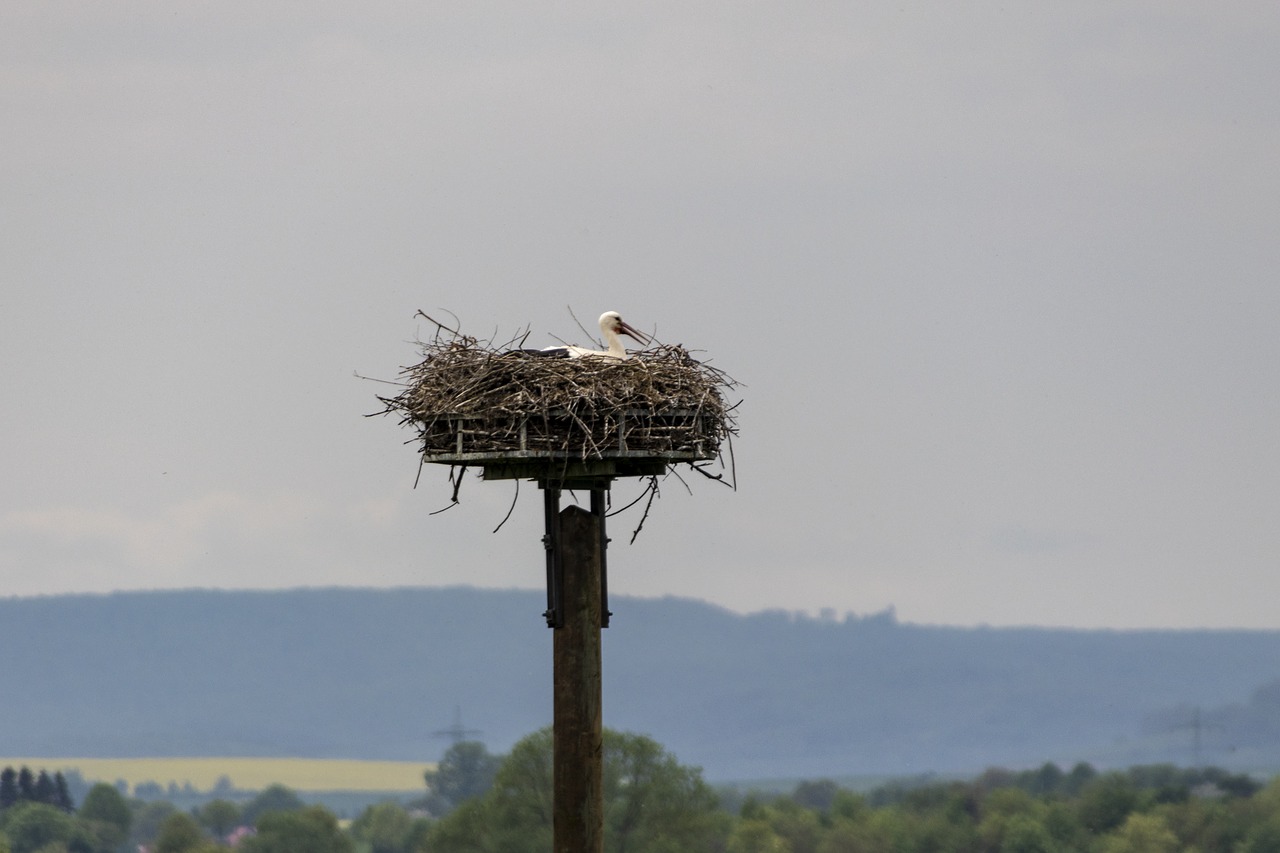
x: 470, y: 400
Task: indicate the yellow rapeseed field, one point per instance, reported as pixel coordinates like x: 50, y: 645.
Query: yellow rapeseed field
x: 302, y: 774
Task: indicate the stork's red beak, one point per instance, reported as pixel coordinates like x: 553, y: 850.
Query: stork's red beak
x: 627, y: 330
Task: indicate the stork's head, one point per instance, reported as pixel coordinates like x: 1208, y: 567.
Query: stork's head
x: 611, y: 321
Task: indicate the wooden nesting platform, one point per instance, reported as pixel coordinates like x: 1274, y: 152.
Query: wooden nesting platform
x: 564, y: 421
x: 537, y: 447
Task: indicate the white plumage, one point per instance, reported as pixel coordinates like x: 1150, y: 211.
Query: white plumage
x: 611, y: 326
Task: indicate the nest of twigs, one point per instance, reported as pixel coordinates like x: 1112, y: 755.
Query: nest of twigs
x: 471, y: 402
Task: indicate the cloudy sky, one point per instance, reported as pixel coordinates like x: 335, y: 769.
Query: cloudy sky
x: 999, y: 281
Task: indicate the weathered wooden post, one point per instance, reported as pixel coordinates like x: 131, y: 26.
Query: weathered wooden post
x: 571, y: 425
x: 578, y: 732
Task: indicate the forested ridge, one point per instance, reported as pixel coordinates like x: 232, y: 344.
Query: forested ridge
x: 376, y: 674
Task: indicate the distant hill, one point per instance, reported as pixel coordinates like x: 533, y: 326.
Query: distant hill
x: 355, y: 673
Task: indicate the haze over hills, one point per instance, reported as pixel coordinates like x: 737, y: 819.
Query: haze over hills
x: 374, y: 674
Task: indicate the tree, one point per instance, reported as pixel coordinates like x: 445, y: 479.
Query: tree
x: 149, y: 790
x: 274, y: 798
x: 520, y: 806
x: 416, y: 842
x: 180, y: 834
x: 1063, y: 824
x: 1047, y: 780
x: 1005, y: 810
x: 148, y: 818
x: 847, y: 804
x: 1082, y: 774
x: 819, y: 794
x: 62, y: 794
x: 795, y: 824
x: 385, y: 827
x: 652, y: 804
x: 313, y: 829
x: 1142, y: 833
x: 754, y: 835
x: 1264, y: 838
x: 219, y: 817
x: 45, y: 791
x: 466, y: 770
x: 847, y: 836
x: 106, y: 817
x: 8, y: 787
x: 1024, y: 834
x: 31, y: 826
x: 1106, y: 801
x: 26, y: 785
x: 467, y: 829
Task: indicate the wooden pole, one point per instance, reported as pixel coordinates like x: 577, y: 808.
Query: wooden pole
x: 578, y: 742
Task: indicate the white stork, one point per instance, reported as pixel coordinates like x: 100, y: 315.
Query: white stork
x: 611, y: 325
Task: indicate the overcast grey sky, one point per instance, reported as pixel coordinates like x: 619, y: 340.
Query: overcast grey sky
x: 1000, y: 280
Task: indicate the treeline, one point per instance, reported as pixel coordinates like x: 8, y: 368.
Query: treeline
x: 1151, y: 809
x: 475, y: 802
x: 274, y: 821
x: 23, y: 786
x: 654, y: 805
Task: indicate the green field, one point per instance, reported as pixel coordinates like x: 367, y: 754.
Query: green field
x: 302, y: 774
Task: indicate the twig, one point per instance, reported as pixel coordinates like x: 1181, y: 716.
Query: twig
x: 510, y: 509
x: 702, y: 469
x: 630, y: 505
x: 578, y: 323
x: 676, y: 474
x: 653, y: 493
x: 440, y: 325
x: 733, y: 464
x: 458, y: 483
x: 357, y: 375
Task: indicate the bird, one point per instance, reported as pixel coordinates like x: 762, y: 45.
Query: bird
x: 611, y: 325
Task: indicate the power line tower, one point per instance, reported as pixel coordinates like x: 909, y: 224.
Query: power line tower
x: 457, y: 732
x: 1197, y: 726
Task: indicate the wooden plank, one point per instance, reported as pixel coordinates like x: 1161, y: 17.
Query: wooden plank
x: 576, y: 475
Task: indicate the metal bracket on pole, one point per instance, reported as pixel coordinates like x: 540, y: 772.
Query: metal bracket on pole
x: 551, y: 541
x: 598, y: 507
x: 554, y: 613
